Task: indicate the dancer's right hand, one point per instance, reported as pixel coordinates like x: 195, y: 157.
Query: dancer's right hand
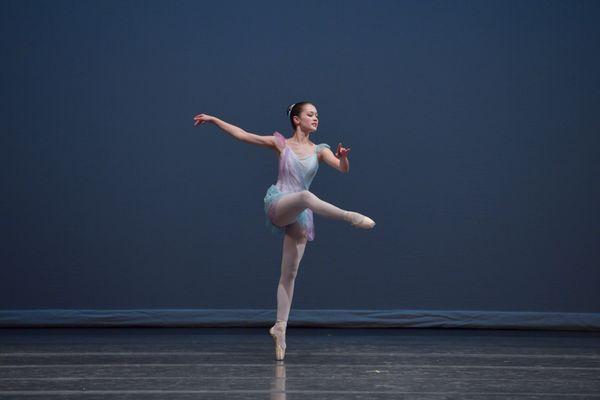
x: 202, y: 118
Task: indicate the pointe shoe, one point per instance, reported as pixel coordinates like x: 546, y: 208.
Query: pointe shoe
x: 278, y: 338
x: 359, y: 221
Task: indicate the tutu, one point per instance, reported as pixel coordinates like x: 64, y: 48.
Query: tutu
x: 295, y: 174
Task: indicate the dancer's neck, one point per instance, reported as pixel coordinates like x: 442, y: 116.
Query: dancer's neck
x: 301, y: 137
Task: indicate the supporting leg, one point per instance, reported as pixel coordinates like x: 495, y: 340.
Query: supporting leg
x: 294, y: 244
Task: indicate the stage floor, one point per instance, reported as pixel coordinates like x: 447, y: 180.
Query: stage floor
x: 238, y: 363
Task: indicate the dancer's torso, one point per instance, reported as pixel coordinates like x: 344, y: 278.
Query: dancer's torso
x: 296, y: 173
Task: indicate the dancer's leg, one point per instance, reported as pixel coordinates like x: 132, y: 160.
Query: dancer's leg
x: 290, y: 205
x: 293, y: 249
x: 294, y: 244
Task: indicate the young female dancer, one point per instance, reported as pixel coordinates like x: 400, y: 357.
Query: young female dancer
x: 289, y: 205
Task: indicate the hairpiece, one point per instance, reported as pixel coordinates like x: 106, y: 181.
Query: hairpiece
x: 290, y: 109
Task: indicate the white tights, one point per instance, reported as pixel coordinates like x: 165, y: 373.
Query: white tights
x: 294, y: 243
x: 290, y: 205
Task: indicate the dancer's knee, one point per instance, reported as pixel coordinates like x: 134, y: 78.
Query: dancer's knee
x: 289, y: 275
x: 307, y: 196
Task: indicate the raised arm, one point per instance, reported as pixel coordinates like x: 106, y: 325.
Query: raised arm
x: 339, y: 160
x: 236, y: 132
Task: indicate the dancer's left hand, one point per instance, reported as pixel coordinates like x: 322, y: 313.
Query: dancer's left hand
x: 342, y: 152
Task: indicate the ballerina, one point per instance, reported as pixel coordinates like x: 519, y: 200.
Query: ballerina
x: 289, y: 204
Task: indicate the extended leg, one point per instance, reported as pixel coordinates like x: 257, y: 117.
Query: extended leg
x: 290, y: 205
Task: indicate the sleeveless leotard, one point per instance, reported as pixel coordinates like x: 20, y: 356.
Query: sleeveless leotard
x: 295, y: 174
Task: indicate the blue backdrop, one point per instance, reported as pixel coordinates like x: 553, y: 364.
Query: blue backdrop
x: 474, y: 131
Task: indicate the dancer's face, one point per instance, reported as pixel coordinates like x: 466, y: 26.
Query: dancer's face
x: 308, y: 118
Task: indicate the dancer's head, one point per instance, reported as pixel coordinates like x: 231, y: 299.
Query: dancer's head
x: 303, y: 115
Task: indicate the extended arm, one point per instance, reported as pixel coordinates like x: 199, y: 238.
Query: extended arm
x: 236, y: 132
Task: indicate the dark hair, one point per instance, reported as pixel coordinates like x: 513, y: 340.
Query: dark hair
x: 295, y: 110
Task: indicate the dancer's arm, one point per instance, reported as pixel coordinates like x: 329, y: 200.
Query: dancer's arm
x: 236, y: 132
x: 339, y: 160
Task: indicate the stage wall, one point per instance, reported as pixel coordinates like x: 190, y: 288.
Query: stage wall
x: 474, y: 137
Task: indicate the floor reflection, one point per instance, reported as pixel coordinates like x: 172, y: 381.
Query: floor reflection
x: 278, y: 381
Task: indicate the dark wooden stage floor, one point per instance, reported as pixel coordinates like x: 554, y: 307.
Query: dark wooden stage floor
x: 238, y: 363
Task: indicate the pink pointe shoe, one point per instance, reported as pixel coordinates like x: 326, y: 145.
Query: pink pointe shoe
x: 277, y: 331
x: 358, y: 220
